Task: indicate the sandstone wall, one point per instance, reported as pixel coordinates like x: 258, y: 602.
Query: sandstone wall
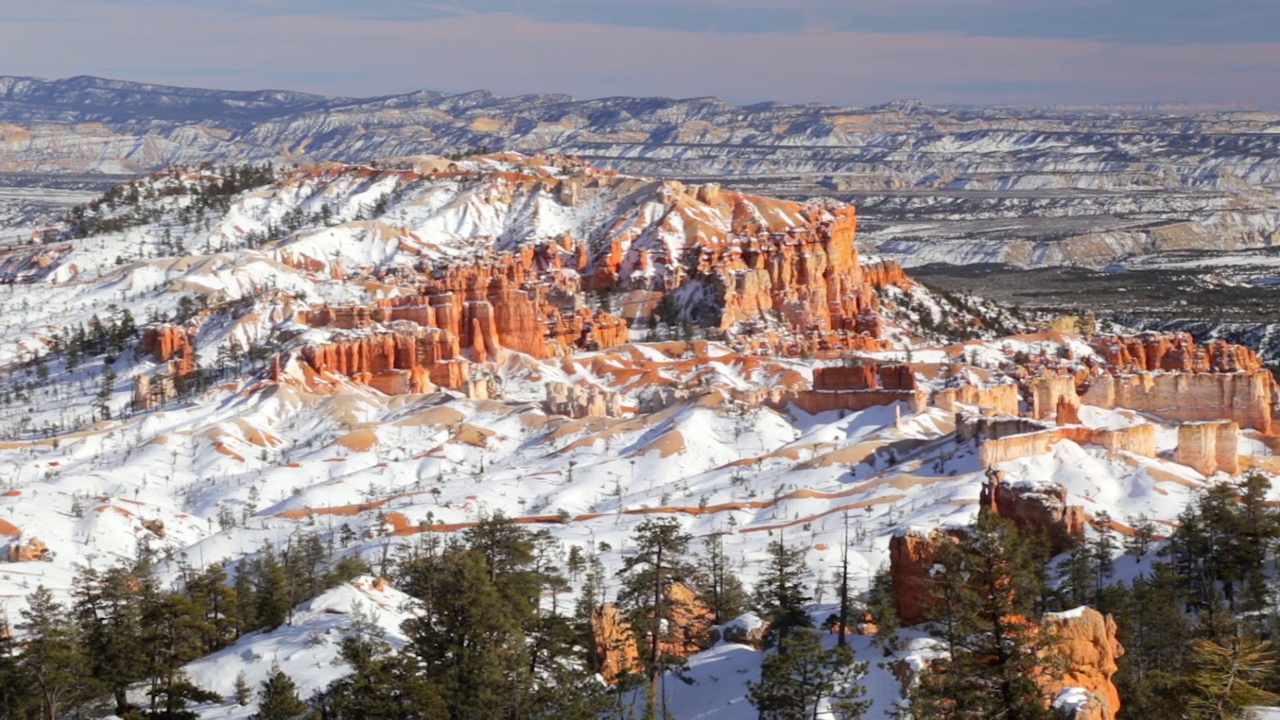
x: 1035, y: 510
x: 582, y: 400
x: 1137, y: 439
x: 912, y: 556
x: 816, y: 401
x: 1047, y: 391
x: 1003, y: 399
x: 1248, y: 398
x: 1209, y: 447
x: 614, y: 648
x: 1174, y: 352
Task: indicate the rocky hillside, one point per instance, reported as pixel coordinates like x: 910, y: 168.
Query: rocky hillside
x: 207, y: 360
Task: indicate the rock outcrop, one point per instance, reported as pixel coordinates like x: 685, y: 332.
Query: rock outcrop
x: 582, y: 400
x: 859, y: 387
x: 1036, y: 509
x: 1047, y: 392
x: 1174, y: 352
x: 1248, y: 397
x: 998, y: 399
x: 912, y: 557
x: 1085, y: 640
x: 1209, y: 447
x: 615, y: 651
x: 169, y: 344
x: 29, y: 551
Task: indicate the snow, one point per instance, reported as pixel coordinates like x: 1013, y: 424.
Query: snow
x: 747, y: 472
x: 306, y: 647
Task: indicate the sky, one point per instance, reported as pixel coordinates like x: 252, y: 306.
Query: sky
x: 854, y: 52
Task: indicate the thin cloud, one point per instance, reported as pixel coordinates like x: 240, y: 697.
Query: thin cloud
x: 514, y: 54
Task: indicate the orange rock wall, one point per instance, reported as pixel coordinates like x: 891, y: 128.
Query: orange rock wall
x: 1035, y: 510
x: 1003, y: 399
x: 912, y: 556
x: 816, y: 401
x: 1174, y: 352
x: 1248, y: 398
x: 614, y: 649
x: 1047, y: 391
x: 1209, y: 447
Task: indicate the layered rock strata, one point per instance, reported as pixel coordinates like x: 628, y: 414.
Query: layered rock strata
x: 1209, y: 447
x: 859, y: 387
x: 1247, y: 398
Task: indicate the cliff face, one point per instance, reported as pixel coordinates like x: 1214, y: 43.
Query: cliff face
x: 1047, y: 392
x: 1036, y: 510
x: 1001, y: 399
x: 1209, y: 447
x: 912, y: 556
x: 860, y: 387
x: 1087, y: 645
x: 580, y: 401
x: 1248, y: 397
x: 169, y: 344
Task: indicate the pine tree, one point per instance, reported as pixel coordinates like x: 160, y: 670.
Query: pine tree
x: 1226, y: 679
x: 983, y: 607
x: 1102, y: 550
x: 803, y: 678
x: 243, y: 692
x: 279, y: 697
x: 781, y: 599
x: 717, y: 584
x: 1144, y: 533
x: 471, y: 644
x: 881, y: 605
x: 659, y: 561
x: 14, y: 692
x: 1156, y: 635
x: 52, y: 659
x: 382, y: 685
x: 109, y: 612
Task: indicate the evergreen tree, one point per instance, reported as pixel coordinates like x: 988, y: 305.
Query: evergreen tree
x: 659, y: 561
x: 14, y: 695
x: 1226, y: 679
x: 983, y: 607
x: 1102, y: 550
x: 243, y: 692
x: 717, y: 584
x: 382, y: 685
x: 279, y: 697
x: 881, y: 605
x: 781, y: 599
x: 471, y: 645
x: 803, y: 679
x: 108, y: 609
x: 52, y: 660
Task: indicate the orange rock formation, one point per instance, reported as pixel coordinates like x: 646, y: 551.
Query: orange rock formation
x: 1035, y: 510
x: 614, y: 648
x: 1248, y: 397
x: 1086, y: 641
x: 1209, y: 447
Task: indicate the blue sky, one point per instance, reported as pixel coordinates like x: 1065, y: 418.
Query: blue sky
x: 834, y: 51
